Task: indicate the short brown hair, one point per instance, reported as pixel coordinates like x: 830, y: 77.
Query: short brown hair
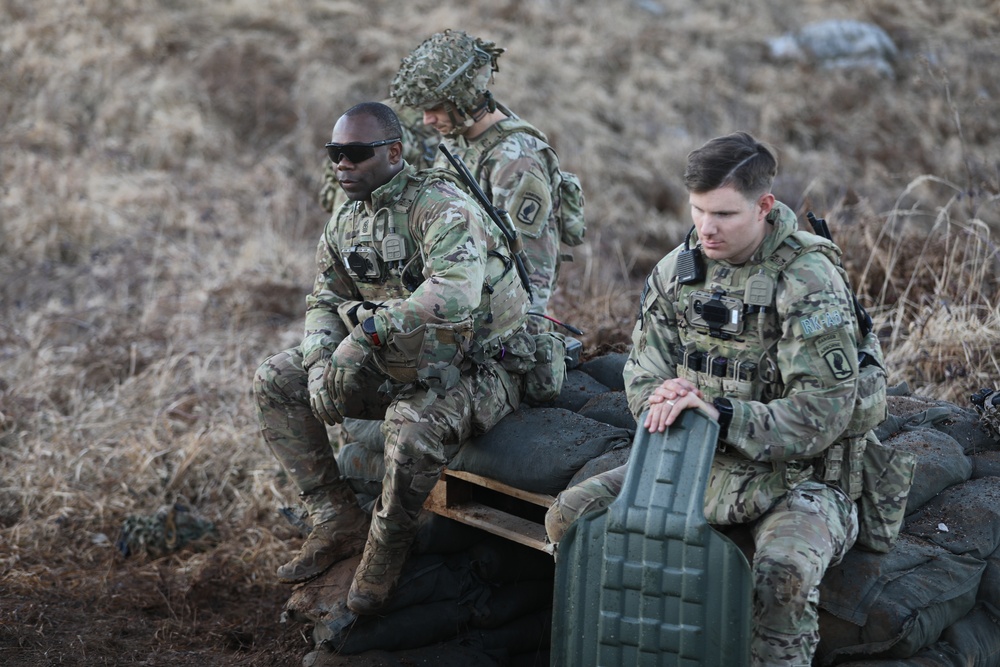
x: 736, y: 160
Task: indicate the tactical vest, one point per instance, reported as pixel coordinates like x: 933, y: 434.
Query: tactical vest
x: 729, y: 325
x: 729, y: 333
x: 567, y: 191
x: 386, y: 262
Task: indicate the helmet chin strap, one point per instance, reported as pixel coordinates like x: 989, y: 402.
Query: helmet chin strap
x: 462, y: 121
x: 487, y: 106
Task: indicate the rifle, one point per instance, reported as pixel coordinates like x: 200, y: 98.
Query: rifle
x: 497, y: 215
x: 864, y: 319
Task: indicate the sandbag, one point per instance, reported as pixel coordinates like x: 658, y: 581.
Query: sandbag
x: 940, y: 463
x: 973, y: 641
x: 892, y: 605
x: 439, y: 655
x: 939, y: 655
x: 512, y: 601
x: 607, y: 369
x: 904, y: 407
x: 408, y: 628
x: 441, y: 535
x: 968, y: 431
x: 499, y: 561
x: 989, y: 587
x: 538, y: 449
x: 976, y: 638
x: 615, y: 457
x: 985, y: 464
x: 610, y: 408
x: 522, y: 635
x: 432, y: 578
x: 578, y: 388
x: 434, y: 599
x: 964, y: 519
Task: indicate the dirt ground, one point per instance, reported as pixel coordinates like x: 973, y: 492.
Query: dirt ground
x: 110, y: 612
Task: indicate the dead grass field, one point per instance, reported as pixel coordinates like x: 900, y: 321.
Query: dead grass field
x: 159, y: 165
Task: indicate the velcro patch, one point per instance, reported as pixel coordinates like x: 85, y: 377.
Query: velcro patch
x: 821, y: 323
x: 527, y: 212
x: 832, y: 349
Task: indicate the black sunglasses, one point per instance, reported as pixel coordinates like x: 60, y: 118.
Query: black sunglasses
x: 355, y: 152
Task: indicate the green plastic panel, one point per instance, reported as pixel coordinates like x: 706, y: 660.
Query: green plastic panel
x: 648, y: 581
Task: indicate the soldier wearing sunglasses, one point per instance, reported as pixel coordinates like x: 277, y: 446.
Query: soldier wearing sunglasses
x: 416, y: 318
x: 419, y: 149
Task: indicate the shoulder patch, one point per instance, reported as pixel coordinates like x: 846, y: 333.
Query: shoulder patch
x: 527, y: 210
x: 822, y: 322
x: 832, y: 349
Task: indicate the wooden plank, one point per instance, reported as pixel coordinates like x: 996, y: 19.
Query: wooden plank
x: 499, y: 523
x: 454, y: 496
x: 540, y: 499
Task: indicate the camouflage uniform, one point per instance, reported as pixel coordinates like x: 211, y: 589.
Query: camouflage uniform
x: 791, y: 377
x: 458, y: 277
x: 517, y: 171
x: 511, y: 160
x: 168, y: 530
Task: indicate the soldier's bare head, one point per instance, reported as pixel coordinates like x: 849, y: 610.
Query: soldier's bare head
x: 736, y: 160
x: 367, y: 149
x: 383, y: 114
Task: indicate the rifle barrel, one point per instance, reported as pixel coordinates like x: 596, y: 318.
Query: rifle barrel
x: 493, y: 212
x: 864, y: 319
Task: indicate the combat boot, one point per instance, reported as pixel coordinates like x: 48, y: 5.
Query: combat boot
x: 376, y: 576
x: 329, y: 542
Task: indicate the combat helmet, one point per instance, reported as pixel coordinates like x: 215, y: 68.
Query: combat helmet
x: 449, y: 66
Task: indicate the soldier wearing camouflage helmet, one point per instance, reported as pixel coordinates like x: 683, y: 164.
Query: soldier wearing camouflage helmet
x: 447, y: 77
x: 751, y: 325
x: 416, y: 318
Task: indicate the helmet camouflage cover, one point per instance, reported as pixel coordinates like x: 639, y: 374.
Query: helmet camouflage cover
x: 449, y: 66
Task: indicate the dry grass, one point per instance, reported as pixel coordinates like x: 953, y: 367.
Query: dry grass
x: 159, y: 165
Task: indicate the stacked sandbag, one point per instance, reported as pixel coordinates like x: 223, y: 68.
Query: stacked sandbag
x: 934, y: 600
x: 462, y: 593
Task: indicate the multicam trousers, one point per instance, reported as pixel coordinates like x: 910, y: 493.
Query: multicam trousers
x: 418, y: 425
x: 807, y: 531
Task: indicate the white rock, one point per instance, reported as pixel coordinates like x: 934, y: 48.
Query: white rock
x: 839, y: 43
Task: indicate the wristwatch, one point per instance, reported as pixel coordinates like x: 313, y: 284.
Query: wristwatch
x: 725, y: 408
x: 368, y: 326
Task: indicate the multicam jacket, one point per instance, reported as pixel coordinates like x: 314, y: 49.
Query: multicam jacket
x: 452, y: 265
x: 791, y: 373
x: 516, y: 169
